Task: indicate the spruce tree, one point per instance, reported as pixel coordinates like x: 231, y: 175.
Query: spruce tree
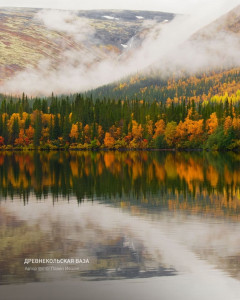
x: 56, y: 128
x: 15, y: 130
x: 66, y: 129
x: 38, y: 130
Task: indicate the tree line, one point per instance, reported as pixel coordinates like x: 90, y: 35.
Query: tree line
x: 79, y: 122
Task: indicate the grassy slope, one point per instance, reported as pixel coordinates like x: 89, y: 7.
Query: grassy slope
x: 24, y: 41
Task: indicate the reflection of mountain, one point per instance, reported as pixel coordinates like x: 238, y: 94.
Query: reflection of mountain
x: 18, y: 240
x: 111, y: 255
x: 190, y: 181
x: 118, y: 244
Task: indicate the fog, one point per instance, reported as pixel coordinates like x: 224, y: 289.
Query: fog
x: 167, y: 48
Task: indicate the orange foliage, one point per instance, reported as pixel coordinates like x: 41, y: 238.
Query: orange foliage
x: 149, y: 127
x: 236, y: 123
x: 87, y: 133
x: 137, y: 130
x: 22, y: 139
x: 29, y: 132
x: 74, y: 132
x: 212, y: 123
x: 159, y: 128
x: 227, y: 124
x: 189, y: 129
x: 109, y: 141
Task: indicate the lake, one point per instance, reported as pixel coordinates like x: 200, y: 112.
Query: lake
x: 119, y: 225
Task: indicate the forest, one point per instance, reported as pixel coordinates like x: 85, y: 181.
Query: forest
x: 199, y: 113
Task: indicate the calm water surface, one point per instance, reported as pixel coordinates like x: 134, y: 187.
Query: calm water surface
x: 153, y: 225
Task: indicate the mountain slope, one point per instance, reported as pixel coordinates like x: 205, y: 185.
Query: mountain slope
x: 218, y: 41
x: 26, y: 39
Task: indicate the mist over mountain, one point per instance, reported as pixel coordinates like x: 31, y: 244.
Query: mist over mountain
x: 209, y: 59
x: 33, y: 37
x: 45, y: 51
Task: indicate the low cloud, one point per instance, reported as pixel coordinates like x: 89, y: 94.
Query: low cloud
x: 67, y: 22
x: 168, y: 47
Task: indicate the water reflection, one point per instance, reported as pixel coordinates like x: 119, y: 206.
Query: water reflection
x: 119, y: 244
x: 201, y: 182
x: 135, y: 215
x: 114, y: 250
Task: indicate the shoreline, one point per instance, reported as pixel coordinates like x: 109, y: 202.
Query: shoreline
x: 115, y: 150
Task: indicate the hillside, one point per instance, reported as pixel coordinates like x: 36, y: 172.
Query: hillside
x: 229, y: 23
x: 218, y: 42
x: 29, y: 36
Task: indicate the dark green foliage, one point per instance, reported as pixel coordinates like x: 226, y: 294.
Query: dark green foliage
x: 66, y: 129
x: 28, y: 122
x: 15, y: 130
x: 160, y: 142
x: 219, y: 140
x: 56, y: 128
x: 38, y: 129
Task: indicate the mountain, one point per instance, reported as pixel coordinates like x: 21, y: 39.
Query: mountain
x: 229, y: 23
x: 29, y: 36
x: 217, y: 73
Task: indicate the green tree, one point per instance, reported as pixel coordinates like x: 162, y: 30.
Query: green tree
x: 38, y: 129
x: 56, y: 128
x: 15, y: 130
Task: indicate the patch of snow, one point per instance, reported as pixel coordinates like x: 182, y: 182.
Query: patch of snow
x: 124, y: 46
x: 165, y: 21
x: 139, y: 17
x: 110, y: 18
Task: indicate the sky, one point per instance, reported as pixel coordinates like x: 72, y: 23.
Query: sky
x: 177, y: 6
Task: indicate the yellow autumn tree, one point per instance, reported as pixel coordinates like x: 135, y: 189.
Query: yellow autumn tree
x: 181, y: 132
x: 29, y: 133
x: 159, y: 128
x: 87, y: 134
x: 212, y: 123
x: 109, y: 141
x: 13, y: 117
x: 236, y: 126
x: 195, y: 130
x: 170, y: 133
x: 74, y: 132
x: 137, y: 130
x: 227, y: 124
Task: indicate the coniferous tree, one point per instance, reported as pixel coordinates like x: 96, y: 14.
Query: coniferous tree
x: 66, y: 129
x: 15, y: 130
x: 5, y: 132
x: 56, y: 128
x: 1, y: 125
x: 27, y: 122
x: 37, y: 130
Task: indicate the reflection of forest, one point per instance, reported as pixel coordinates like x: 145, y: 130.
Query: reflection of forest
x: 200, y: 182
